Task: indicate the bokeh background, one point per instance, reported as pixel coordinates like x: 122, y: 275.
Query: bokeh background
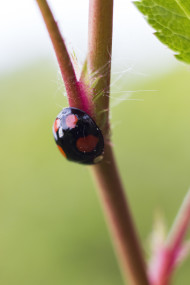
x: 52, y: 230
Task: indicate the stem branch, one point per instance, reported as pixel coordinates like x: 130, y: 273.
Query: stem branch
x: 175, y: 240
x: 167, y: 256
x: 181, y: 224
x: 72, y: 87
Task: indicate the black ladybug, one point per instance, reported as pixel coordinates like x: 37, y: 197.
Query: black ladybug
x: 78, y: 137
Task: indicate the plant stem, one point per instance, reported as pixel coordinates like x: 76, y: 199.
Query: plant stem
x: 75, y: 96
x: 174, y: 242
x: 119, y: 219
x: 181, y: 224
x: 106, y: 174
x: 99, y: 56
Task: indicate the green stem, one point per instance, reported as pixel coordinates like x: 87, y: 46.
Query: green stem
x: 72, y: 88
x: 117, y: 212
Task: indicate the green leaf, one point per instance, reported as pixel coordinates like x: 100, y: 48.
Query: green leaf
x: 171, y: 20
x: 185, y: 6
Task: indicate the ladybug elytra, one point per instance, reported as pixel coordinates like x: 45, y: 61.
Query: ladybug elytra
x: 78, y: 137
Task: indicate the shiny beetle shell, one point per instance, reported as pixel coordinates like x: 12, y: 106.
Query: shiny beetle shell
x: 78, y: 137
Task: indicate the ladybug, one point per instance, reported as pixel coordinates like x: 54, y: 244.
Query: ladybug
x: 78, y: 137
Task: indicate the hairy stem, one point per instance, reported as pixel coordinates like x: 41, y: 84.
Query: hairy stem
x: 106, y: 174
x: 75, y: 97
x: 99, y: 57
x: 111, y: 192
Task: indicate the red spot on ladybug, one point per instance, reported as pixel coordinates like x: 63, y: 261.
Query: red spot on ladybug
x: 61, y: 150
x: 87, y: 144
x: 71, y: 121
x: 56, y: 125
x: 78, y: 137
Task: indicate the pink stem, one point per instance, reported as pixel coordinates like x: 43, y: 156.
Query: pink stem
x: 167, y: 257
x: 76, y: 94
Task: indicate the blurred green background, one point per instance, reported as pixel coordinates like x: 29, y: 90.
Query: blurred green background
x: 52, y: 229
